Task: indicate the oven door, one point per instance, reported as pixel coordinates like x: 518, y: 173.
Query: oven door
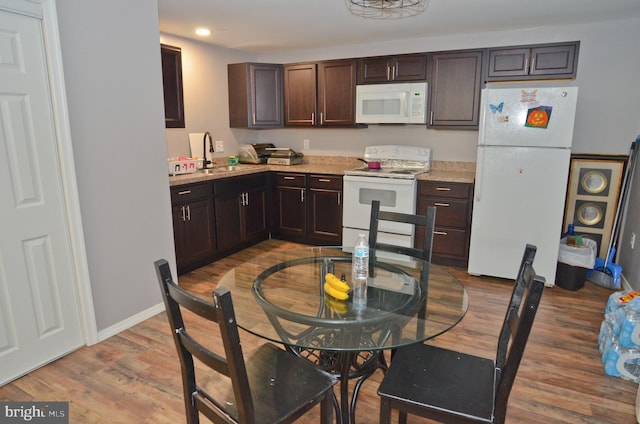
x: 394, y: 194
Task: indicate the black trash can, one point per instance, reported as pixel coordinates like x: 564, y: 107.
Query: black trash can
x: 573, y: 263
x: 570, y: 277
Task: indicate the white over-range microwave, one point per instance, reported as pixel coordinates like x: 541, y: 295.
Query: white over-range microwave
x: 399, y: 103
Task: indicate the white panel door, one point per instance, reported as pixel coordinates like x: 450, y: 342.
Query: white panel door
x: 39, y: 313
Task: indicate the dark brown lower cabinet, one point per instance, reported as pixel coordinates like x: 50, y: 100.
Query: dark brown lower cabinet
x: 193, y: 226
x: 325, y: 210
x: 241, y: 211
x: 308, y: 209
x: 453, y: 202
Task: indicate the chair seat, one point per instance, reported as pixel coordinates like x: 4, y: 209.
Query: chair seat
x: 280, y: 383
x: 460, y: 381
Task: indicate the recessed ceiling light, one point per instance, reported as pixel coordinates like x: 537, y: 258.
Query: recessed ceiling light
x: 203, y: 32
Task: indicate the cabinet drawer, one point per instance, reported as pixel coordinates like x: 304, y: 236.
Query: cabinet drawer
x: 329, y: 182
x: 459, y: 191
x: 452, y: 213
x: 449, y: 242
x: 290, y: 180
x: 184, y: 194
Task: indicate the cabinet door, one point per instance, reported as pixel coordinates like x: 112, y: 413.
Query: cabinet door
x: 556, y: 61
x: 337, y: 93
x: 255, y: 215
x: 255, y: 95
x: 454, y: 88
x: 411, y: 67
x: 194, y: 233
x: 228, y: 221
x: 172, y: 86
x: 291, y: 216
x: 300, y: 94
x: 374, y: 69
x: 508, y: 62
x: 325, y: 217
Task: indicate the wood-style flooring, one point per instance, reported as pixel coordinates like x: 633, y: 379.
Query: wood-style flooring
x: 134, y: 377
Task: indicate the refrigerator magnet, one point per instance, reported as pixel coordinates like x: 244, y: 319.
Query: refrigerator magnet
x: 538, y: 117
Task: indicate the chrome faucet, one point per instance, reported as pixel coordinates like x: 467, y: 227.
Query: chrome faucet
x: 205, y: 161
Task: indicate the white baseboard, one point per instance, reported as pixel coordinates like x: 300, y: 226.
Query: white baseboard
x: 130, y: 322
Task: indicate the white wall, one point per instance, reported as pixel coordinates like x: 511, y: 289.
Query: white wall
x: 204, y: 75
x: 608, y: 106
x: 111, y: 60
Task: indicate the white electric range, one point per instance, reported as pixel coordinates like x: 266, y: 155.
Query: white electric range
x: 394, y: 185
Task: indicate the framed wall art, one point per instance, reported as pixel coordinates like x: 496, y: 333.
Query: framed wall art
x: 592, y: 196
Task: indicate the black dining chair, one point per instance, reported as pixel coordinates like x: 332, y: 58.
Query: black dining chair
x: 422, y: 223
x: 271, y: 386
x: 454, y: 387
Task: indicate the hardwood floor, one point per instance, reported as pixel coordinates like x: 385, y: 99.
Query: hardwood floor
x: 134, y: 377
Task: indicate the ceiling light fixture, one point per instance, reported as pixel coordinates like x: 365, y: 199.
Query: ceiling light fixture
x: 203, y: 32
x: 386, y: 9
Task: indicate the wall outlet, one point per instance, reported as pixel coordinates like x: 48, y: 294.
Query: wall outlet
x: 306, y: 145
x: 632, y: 240
x: 219, y: 146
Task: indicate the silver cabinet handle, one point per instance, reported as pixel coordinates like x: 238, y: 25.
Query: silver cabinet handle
x: 184, y: 192
x: 444, y: 205
x: 302, y: 196
x: 324, y: 180
x: 431, y: 118
x: 321, y: 119
x: 441, y: 233
x: 182, y: 213
x: 188, y: 213
x: 289, y: 178
x: 388, y: 72
x: 246, y: 199
x: 339, y: 198
x: 254, y: 118
x: 526, y: 65
x: 313, y: 118
x: 443, y: 188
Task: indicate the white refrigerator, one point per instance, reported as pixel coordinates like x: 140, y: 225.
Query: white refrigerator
x: 524, y: 149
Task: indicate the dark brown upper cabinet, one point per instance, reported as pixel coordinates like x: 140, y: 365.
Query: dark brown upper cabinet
x: 172, y: 86
x: 454, y: 85
x: 321, y: 94
x: 402, y: 68
x: 255, y: 95
x: 544, y: 61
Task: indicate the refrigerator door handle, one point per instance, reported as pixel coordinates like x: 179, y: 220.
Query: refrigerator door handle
x: 479, y: 172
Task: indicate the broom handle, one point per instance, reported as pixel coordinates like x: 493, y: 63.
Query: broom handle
x: 622, y: 200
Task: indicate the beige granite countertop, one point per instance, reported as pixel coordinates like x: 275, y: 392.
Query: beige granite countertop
x: 461, y: 172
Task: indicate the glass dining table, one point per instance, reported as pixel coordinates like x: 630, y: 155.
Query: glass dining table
x: 280, y: 296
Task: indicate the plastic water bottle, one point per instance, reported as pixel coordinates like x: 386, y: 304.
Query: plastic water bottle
x: 360, y: 271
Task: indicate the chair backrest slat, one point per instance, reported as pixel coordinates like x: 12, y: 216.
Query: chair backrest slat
x: 426, y: 221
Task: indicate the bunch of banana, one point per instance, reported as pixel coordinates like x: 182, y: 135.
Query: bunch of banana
x: 336, y: 288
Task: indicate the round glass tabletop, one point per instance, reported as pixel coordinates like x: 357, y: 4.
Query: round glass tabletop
x: 280, y: 296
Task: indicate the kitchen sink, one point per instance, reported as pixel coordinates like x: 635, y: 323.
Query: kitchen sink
x: 220, y: 169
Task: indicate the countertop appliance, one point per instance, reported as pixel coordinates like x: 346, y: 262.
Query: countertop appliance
x: 394, y: 185
x: 284, y: 156
x: 254, y: 153
x: 398, y: 103
x: 524, y: 150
